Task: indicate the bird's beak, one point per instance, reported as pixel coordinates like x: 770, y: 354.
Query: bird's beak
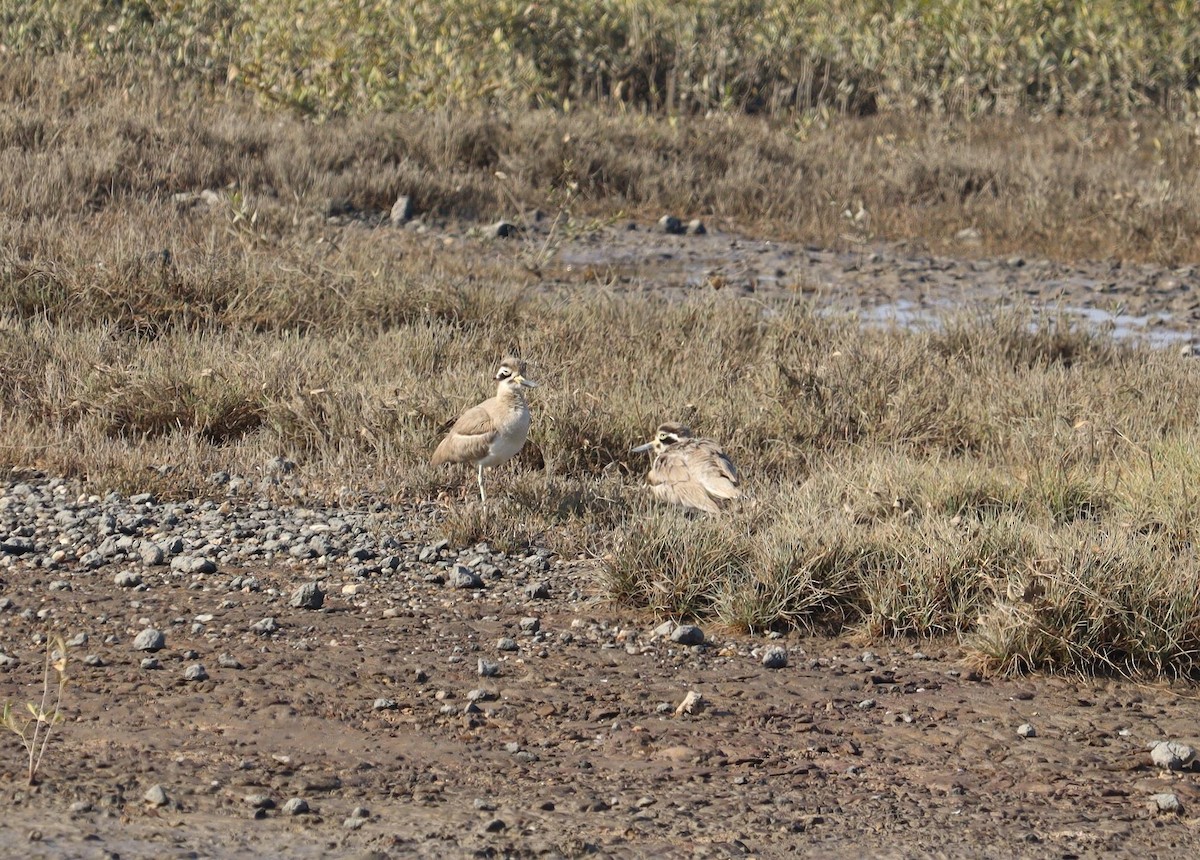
x: 641, y: 449
x: 528, y: 383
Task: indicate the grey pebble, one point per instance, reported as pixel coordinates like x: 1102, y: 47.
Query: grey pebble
x: 156, y: 795
x: 195, y: 672
x: 149, y: 640
x: 530, y: 625
x: 507, y: 644
x: 671, y: 225
x: 296, y: 806
x: 502, y: 230
x: 537, y: 591
x: 259, y: 801
x: 1026, y: 730
x: 150, y: 663
x: 127, y: 579
x: 1172, y: 755
x: 1167, y: 802
x: 687, y: 634
x: 487, y: 669
x: 308, y: 596
x: 775, y: 657
x: 228, y: 661
x: 385, y: 705
x: 265, y: 626
x: 464, y: 577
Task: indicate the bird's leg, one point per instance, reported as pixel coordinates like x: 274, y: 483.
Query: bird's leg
x: 482, y: 495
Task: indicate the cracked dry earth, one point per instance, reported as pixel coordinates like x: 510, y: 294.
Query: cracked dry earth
x: 372, y: 709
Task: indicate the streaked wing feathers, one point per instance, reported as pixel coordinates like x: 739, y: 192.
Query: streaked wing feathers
x: 469, y: 439
x: 696, y: 474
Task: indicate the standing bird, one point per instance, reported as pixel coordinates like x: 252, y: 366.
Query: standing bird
x: 494, y: 431
x: 688, y: 471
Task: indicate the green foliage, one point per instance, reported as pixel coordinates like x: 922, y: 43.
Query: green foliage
x: 336, y: 56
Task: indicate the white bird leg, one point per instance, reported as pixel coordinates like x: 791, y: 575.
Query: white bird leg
x: 482, y: 495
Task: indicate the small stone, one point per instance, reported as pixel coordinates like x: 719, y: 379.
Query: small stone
x: 151, y: 554
x: 1172, y: 755
x: 402, y: 210
x: 1026, y: 730
x: 687, y: 634
x: 537, y: 591
x: 265, y: 626
x: 775, y: 657
x: 259, y: 801
x: 156, y: 796
x: 195, y: 672
x: 360, y: 812
x: 279, y: 466
x: 308, y: 596
x: 127, y: 579
x: 77, y: 641
x: 228, y: 661
x: 969, y: 236
x: 353, y: 823
x: 495, y: 826
x: 865, y: 705
x: 296, y: 806
x: 193, y: 564
x: 507, y: 644
x: 693, y: 703
x: 465, y: 578
x: 487, y: 669
x: 663, y: 630
x: 671, y: 225
x: 530, y: 625
x: 151, y: 663
x: 149, y: 640
x: 385, y: 705
x: 502, y: 230
x: 1167, y: 803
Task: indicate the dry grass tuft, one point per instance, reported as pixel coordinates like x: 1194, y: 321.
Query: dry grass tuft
x: 189, y: 283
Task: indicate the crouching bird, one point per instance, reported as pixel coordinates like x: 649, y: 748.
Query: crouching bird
x: 494, y: 431
x: 690, y: 471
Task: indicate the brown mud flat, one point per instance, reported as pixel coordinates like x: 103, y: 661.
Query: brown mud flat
x: 882, y: 283
x: 573, y: 748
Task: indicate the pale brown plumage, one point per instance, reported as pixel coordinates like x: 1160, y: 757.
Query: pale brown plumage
x: 494, y: 431
x: 689, y: 471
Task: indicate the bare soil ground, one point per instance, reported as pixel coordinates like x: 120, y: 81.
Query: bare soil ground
x: 575, y: 747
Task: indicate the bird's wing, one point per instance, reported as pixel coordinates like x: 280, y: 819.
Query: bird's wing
x: 712, y: 467
x: 469, y: 439
x: 672, y: 480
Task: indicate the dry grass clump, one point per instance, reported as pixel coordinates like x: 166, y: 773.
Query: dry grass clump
x: 189, y: 284
x: 257, y: 189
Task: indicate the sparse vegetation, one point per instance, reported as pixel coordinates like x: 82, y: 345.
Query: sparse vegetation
x: 35, y: 730
x: 189, y: 279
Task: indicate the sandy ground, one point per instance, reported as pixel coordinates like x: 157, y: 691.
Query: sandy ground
x: 373, y: 710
